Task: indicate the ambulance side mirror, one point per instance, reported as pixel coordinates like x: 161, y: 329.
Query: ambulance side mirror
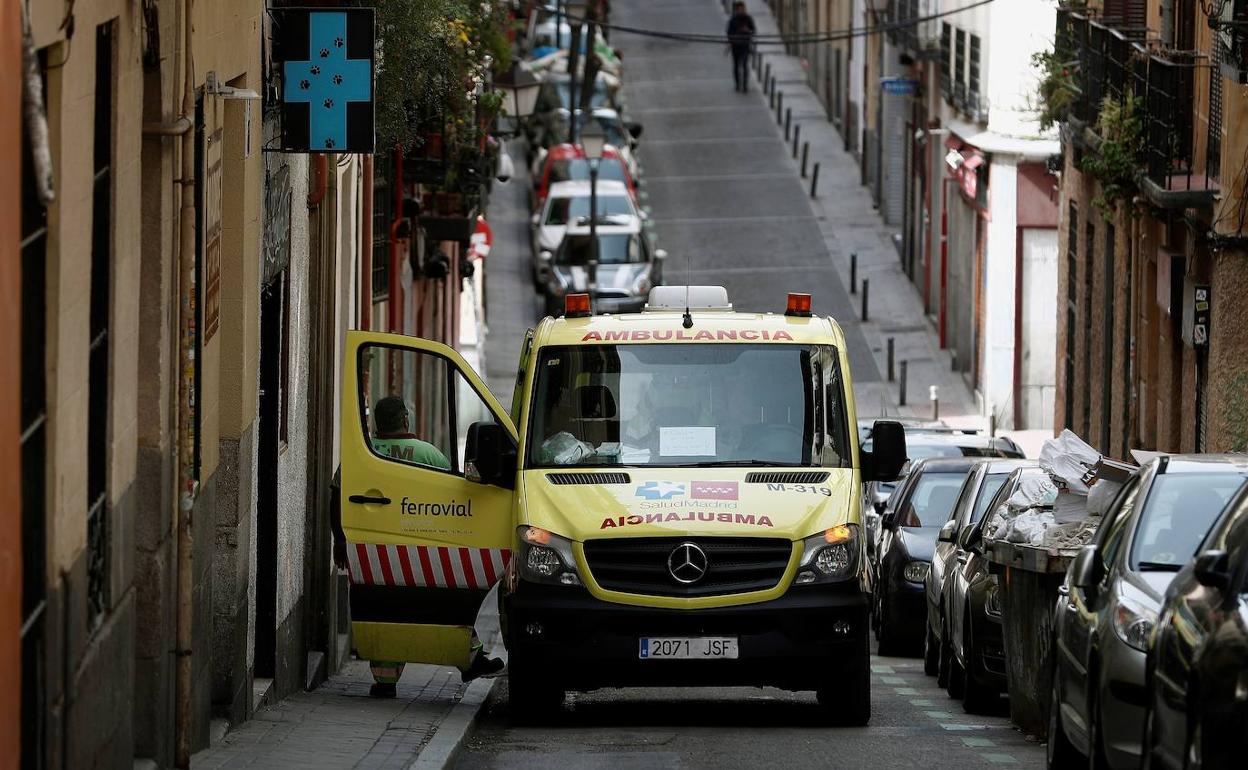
x: 490, y: 455
x: 888, y: 453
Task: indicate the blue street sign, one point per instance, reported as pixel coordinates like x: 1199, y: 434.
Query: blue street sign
x: 327, y: 69
x: 899, y: 86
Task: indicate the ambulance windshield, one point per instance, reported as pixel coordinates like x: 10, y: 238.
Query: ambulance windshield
x: 688, y: 406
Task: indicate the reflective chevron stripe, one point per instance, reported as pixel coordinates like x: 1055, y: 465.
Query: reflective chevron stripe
x: 424, y: 566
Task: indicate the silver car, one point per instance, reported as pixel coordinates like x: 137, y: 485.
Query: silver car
x: 1109, y: 602
x: 628, y: 267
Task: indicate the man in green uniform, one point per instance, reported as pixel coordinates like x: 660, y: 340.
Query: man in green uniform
x: 393, y: 438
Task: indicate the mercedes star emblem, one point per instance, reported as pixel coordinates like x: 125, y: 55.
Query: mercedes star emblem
x: 687, y: 563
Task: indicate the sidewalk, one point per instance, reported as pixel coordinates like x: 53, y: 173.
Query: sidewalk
x: 338, y: 725
x: 851, y: 225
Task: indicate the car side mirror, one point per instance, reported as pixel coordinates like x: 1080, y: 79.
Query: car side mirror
x: 634, y: 130
x: 489, y: 455
x: 1211, y: 569
x: 1086, y: 571
x: 947, y: 532
x: 970, y: 536
x: 888, y: 455
x: 535, y: 220
x: 660, y: 254
x: 888, y: 520
x: 545, y: 255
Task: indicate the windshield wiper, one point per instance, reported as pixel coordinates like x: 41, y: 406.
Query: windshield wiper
x: 740, y: 464
x: 1158, y: 566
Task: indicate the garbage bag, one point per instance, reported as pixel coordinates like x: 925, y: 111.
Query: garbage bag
x: 1101, y: 495
x: 1030, y: 527
x: 1033, y: 492
x: 564, y: 449
x: 1069, y: 458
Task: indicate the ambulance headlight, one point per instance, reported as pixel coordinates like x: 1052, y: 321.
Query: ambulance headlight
x: 545, y: 557
x: 829, y: 556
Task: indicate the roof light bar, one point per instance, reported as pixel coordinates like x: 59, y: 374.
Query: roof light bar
x: 799, y: 305
x: 576, y: 306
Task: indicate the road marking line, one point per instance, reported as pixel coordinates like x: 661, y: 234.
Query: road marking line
x: 978, y: 743
x: 905, y: 691
x: 893, y: 679
x: 958, y: 727
x: 922, y: 702
x: 882, y: 669
x: 1000, y: 759
x: 939, y: 714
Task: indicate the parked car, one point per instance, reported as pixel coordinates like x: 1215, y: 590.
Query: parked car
x: 549, y: 124
x: 568, y: 205
x: 907, y: 538
x: 970, y: 661
x: 620, y: 135
x: 951, y: 555
x: 1198, y: 657
x: 628, y: 267
x: 924, y: 443
x: 1111, y: 597
x: 866, y: 424
x: 567, y: 162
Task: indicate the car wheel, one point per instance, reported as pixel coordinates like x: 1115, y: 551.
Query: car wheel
x: 1059, y: 753
x: 850, y: 706
x: 531, y: 698
x: 976, y: 698
x: 884, y: 634
x: 943, y: 654
x: 957, y: 676
x: 931, y: 652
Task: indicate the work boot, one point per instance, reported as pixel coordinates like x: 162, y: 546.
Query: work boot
x: 383, y: 690
x: 482, y: 665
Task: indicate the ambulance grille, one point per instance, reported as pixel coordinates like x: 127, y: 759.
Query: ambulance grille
x: 588, y: 478
x: 735, y: 565
x: 786, y: 477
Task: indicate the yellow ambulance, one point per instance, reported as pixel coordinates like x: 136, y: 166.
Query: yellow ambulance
x: 675, y: 499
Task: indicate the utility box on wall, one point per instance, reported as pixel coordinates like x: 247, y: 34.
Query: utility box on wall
x: 1197, y: 298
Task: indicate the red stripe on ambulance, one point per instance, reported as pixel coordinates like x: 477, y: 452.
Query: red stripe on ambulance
x: 425, y: 566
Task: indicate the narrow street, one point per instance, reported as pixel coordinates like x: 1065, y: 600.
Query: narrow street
x: 729, y: 208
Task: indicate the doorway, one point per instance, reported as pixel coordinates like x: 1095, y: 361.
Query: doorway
x: 271, y: 429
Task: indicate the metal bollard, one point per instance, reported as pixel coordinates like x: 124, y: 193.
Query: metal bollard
x: 805, y: 155
x: 814, y: 181
x: 866, y: 299
x: 797, y: 132
x: 779, y: 107
x: 901, y: 387
x: 933, y: 393
x: 767, y: 77
x: 890, y: 359
x: 853, y: 272
x: 771, y: 97
x: 788, y: 122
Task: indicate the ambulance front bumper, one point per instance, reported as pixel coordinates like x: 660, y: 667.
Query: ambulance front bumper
x: 581, y: 643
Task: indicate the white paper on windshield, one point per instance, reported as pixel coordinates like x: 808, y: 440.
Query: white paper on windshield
x: 687, y: 441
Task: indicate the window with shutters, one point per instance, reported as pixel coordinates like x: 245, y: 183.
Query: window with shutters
x: 1089, y: 245
x: 973, y: 103
x: 1213, y: 155
x: 381, y: 227
x: 1126, y: 14
x: 99, y: 540
x: 946, y: 59
x: 959, y: 69
x: 1107, y: 339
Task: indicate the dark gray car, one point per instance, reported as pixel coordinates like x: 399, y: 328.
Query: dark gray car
x: 1109, y: 603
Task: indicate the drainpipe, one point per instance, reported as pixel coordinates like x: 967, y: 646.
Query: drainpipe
x: 186, y: 385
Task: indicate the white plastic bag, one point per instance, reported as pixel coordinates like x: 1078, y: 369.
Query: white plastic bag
x: 1069, y: 457
x: 1033, y: 492
x: 1030, y: 527
x: 1101, y: 495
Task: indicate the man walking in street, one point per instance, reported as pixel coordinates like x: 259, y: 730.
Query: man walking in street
x: 741, y: 32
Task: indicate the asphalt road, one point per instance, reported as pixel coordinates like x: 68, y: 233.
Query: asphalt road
x: 730, y: 211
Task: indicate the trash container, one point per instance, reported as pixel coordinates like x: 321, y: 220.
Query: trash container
x: 1030, y: 577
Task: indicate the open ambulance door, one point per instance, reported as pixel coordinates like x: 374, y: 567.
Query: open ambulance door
x: 424, y: 544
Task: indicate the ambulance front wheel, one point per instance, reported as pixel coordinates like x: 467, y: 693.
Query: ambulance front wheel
x: 846, y: 699
x: 531, y: 697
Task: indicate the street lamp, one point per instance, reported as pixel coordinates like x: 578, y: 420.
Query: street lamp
x: 593, y: 141
x: 520, y: 88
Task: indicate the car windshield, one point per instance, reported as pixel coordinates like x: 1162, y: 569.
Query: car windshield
x: 1177, y: 513
x: 916, y: 451
x: 931, y: 499
x: 565, y: 210
x: 987, y: 490
x: 557, y: 93
x: 683, y: 405
x: 613, y: 249
x: 577, y: 169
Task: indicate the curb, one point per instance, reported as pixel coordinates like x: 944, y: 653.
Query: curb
x: 454, y: 729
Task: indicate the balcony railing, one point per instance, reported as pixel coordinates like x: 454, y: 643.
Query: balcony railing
x: 1113, y: 62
